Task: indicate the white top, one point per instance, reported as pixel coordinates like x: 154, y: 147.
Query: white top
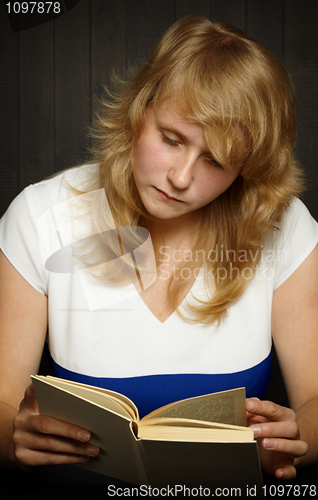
x: 115, y: 334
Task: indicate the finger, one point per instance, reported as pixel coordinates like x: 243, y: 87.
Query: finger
x: 288, y: 472
x: 270, y: 410
x: 43, y: 442
x: 44, y: 424
x: 29, y: 401
x: 255, y: 419
x: 34, y: 458
x: 286, y: 429
x: 293, y: 448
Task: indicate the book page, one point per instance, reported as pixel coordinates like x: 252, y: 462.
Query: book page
x: 176, y: 429
x: 187, y: 422
x: 124, y: 401
x: 100, y: 397
x: 226, y: 407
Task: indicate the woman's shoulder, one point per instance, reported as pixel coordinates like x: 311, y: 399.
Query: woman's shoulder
x: 20, y: 237
x: 68, y: 182
x: 297, y: 206
x: 41, y: 196
x: 297, y: 220
x: 295, y: 239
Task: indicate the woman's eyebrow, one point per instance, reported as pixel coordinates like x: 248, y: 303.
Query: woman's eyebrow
x: 165, y: 124
x: 170, y: 128
x: 167, y: 127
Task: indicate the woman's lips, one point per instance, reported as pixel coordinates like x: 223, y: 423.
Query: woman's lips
x: 166, y: 197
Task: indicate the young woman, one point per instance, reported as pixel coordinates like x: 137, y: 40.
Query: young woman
x: 197, y: 148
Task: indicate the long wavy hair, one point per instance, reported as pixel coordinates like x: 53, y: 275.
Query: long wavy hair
x: 220, y: 78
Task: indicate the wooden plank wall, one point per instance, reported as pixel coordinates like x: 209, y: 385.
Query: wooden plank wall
x: 51, y: 73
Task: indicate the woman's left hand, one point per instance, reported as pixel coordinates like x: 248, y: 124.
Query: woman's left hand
x: 277, y: 433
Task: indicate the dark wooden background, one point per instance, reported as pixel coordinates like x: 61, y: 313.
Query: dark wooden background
x: 50, y: 73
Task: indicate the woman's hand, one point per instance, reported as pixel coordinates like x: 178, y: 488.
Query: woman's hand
x: 43, y: 440
x: 277, y: 433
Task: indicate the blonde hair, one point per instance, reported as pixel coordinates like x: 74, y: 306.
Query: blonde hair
x: 220, y: 78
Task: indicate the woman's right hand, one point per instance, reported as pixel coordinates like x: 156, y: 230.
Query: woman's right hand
x: 44, y: 440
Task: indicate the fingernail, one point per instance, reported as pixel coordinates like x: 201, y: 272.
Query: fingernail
x: 84, y: 436
x: 251, y: 405
x: 256, y: 429
x: 83, y: 458
x: 92, y: 450
x: 269, y: 444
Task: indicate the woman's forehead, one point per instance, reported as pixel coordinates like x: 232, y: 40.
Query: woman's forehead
x: 170, y: 110
x: 213, y: 126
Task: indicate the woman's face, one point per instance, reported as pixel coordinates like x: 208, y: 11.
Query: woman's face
x: 173, y: 168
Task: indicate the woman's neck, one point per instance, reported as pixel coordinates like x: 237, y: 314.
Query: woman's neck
x: 176, y: 233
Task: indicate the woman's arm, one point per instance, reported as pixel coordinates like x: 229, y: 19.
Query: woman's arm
x: 23, y: 326
x: 26, y: 438
x: 295, y: 334
x: 293, y: 433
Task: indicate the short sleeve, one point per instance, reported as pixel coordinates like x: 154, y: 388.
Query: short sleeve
x: 19, y: 238
x: 297, y: 237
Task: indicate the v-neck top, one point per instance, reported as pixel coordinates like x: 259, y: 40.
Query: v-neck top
x: 105, y: 335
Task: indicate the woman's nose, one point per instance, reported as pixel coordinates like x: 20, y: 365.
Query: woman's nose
x: 181, y: 172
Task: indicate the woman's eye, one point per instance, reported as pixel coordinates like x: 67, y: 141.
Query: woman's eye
x: 215, y: 163
x: 169, y: 141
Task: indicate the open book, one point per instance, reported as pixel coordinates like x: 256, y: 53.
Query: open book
x: 197, y: 441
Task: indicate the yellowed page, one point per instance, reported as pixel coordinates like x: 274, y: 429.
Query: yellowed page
x: 177, y: 429
x: 226, y: 407
x: 94, y: 394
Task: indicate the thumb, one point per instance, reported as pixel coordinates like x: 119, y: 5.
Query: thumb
x: 29, y: 401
